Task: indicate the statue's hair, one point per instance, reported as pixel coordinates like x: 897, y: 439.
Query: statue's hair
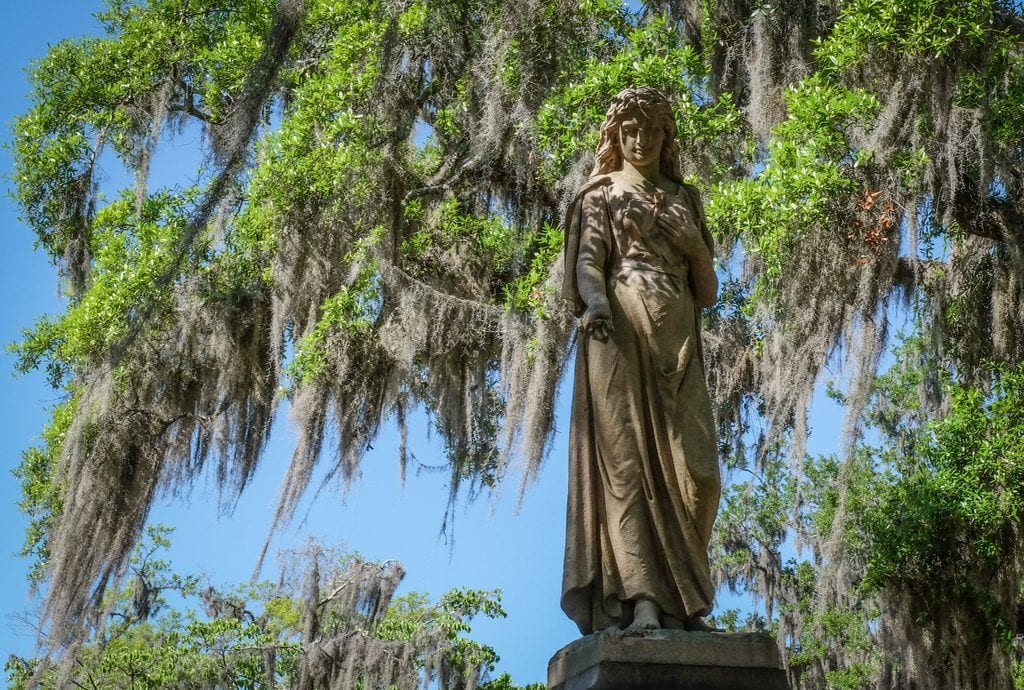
x: 644, y: 101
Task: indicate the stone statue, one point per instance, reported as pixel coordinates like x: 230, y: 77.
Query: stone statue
x: 644, y: 481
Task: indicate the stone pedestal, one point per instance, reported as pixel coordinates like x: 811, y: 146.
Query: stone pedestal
x: 668, y: 660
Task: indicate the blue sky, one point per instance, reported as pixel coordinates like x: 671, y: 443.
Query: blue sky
x: 28, y: 281
x: 497, y: 543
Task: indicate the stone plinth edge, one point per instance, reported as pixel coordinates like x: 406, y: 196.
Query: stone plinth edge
x: 668, y: 660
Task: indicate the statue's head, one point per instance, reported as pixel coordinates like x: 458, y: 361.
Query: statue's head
x: 649, y: 108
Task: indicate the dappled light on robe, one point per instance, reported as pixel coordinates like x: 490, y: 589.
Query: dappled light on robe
x: 644, y: 481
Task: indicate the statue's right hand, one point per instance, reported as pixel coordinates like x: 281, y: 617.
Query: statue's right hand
x: 597, y: 321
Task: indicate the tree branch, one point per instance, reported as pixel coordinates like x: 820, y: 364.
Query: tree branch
x: 995, y: 218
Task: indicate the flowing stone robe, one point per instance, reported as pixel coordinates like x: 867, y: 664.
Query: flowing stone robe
x: 644, y: 481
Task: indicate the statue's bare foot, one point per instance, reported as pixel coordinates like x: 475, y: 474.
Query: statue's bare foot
x: 696, y: 624
x: 645, y: 617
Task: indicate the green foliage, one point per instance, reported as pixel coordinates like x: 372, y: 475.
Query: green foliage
x: 497, y: 247
x: 322, y: 148
x: 752, y: 524
x: 806, y: 181
x: 897, y: 411
x: 412, y: 614
x: 41, y: 497
x: 504, y: 682
x: 150, y: 644
x: 349, y: 310
x: 651, y: 54
x: 839, y: 629
x: 730, y: 620
x: 959, y: 509
x: 130, y: 261
x: 90, y: 92
x: 915, y: 29
x: 167, y: 630
x: 836, y: 492
x: 525, y: 292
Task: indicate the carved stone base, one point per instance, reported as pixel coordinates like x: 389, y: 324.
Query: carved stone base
x: 668, y: 660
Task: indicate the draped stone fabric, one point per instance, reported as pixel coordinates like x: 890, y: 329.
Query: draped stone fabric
x: 644, y: 481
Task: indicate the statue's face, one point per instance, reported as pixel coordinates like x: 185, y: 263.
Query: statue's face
x: 640, y: 139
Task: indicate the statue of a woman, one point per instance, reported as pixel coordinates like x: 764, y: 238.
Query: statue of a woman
x: 644, y: 481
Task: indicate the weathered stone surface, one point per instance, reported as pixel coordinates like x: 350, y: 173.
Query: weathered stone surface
x: 643, y: 456
x: 668, y: 660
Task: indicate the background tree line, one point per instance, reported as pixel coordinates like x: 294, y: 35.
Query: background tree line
x: 331, y: 620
